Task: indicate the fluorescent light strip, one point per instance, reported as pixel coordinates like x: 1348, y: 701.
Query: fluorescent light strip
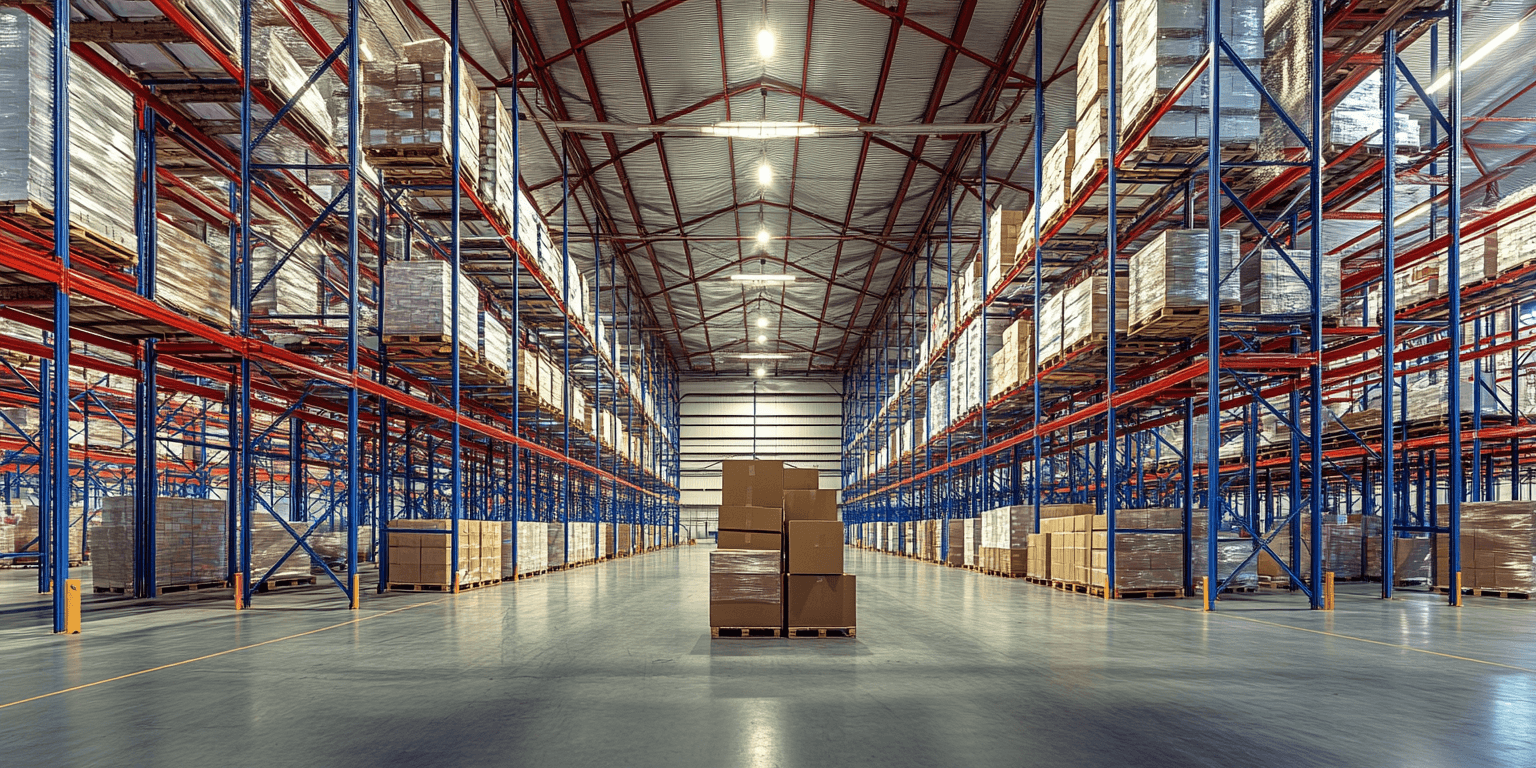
x: 762, y: 356
x: 763, y: 278
x: 758, y: 129
x: 1478, y: 55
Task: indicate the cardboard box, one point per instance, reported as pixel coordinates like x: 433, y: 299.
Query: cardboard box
x: 810, y: 505
x: 747, y: 518
x: 815, y: 546
x: 820, y: 600
x: 802, y: 479
x: 749, y: 540
x: 753, y: 483
x: 746, y: 614
x: 404, y: 573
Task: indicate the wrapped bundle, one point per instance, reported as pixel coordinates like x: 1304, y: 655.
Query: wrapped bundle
x: 1271, y: 286
x: 418, y: 305
x: 555, y: 544
x: 583, y: 544
x: 745, y: 588
x: 498, y: 185
x: 1051, y: 319
x: 1161, y: 40
x: 1056, y: 181
x: 1085, y: 311
x: 1479, y: 260
x: 1358, y: 116
x: 495, y: 347
x: 1497, y: 547
x: 1172, y: 273
x: 408, y: 113
x: 532, y: 547
x: 288, y: 287
x: 101, y: 143
x: 192, y: 276
x: 269, y: 542
x: 190, y: 542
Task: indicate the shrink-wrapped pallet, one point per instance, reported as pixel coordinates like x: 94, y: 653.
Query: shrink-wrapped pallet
x: 555, y: 544
x: 1007, y: 527
x: 285, y: 272
x: 1271, y: 285
x: 1231, y: 551
x: 101, y: 144
x: 1496, y: 547
x: 26, y: 531
x: 1085, y: 311
x: 269, y: 542
x: 498, y: 182
x: 418, y: 305
x: 583, y: 543
x: 274, y: 68
x: 1479, y: 260
x: 1050, y: 327
x: 192, y: 276
x: 1056, y: 181
x: 1172, y: 273
x: 408, y: 111
x: 1090, y: 147
x: 532, y: 547
x: 745, y: 588
x: 190, y: 542
x: 1161, y: 40
x: 495, y: 347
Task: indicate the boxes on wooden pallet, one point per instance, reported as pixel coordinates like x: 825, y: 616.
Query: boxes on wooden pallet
x: 269, y: 542
x: 1480, y: 257
x: 101, y: 145
x: 418, y: 305
x: 1272, y: 286
x: 583, y: 542
x: 498, y: 182
x: 495, y: 348
x: 191, y: 276
x: 1091, y: 142
x: 7, y: 536
x: 909, y: 537
x: 746, y: 589
x: 1050, y: 327
x: 418, y: 557
x: 532, y: 547
x: 816, y: 601
x: 1085, y: 311
x: 1160, y: 40
x: 1171, y: 274
x: 287, y: 286
x: 1056, y: 180
x: 190, y: 542
x: 408, y: 110
x: 956, y: 555
x: 1231, y: 552
x: 26, y: 533
x: 623, y: 538
x: 273, y: 67
x: 1007, y: 527
x: 1143, y: 561
x: 554, y: 543
x: 1037, y: 564
x: 1003, y: 231
x: 604, y: 539
x: 1014, y: 363
x: 1497, y: 547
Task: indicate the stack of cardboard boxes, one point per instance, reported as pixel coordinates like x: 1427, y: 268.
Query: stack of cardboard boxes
x: 772, y: 516
x: 421, y: 553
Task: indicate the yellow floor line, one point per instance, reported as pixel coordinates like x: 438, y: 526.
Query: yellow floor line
x: 220, y: 653
x: 1228, y: 615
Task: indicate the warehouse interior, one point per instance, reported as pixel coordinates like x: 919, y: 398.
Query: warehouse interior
x: 768, y: 382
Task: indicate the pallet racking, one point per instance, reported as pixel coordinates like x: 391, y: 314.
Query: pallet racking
x: 1125, y: 421
x: 313, y: 419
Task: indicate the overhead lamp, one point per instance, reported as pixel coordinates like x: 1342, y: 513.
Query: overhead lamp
x: 765, y: 43
x: 763, y: 237
x: 1477, y: 55
x: 761, y: 373
x: 762, y: 338
x: 758, y: 129
x: 762, y: 322
x: 741, y: 278
x: 762, y: 356
x: 764, y: 173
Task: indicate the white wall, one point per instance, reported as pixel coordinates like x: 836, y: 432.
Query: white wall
x: 798, y: 421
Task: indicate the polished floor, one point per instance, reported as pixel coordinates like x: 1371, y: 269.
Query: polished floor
x: 613, y: 665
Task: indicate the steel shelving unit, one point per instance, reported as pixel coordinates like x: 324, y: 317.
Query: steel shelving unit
x: 307, y: 413
x: 1119, y: 423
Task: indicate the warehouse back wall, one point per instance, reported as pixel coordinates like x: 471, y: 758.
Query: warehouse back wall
x: 798, y: 421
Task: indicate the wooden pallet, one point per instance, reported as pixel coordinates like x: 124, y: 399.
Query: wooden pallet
x: 1070, y: 586
x: 1131, y: 594
x: 168, y: 589
x: 530, y: 574
x: 722, y: 632
x: 39, y: 217
x: 291, y: 581
x: 820, y: 632
x: 1172, y: 323
x: 1037, y: 580
x: 1486, y: 592
x: 402, y: 587
x: 1004, y: 574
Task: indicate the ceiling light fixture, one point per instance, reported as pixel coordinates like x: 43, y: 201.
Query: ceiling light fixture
x: 763, y: 237
x: 764, y: 173
x: 761, y: 373
x: 765, y: 43
x: 758, y: 129
x: 762, y: 322
x: 763, y: 278
x: 762, y: 356
x: 762, y: 338
x: 1478, y: 55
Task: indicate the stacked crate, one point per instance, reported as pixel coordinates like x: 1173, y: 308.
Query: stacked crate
x: 1498, y: 542
x: 408, y: 113
x: 418, y: 307
x: 192, y: 276
x: 1271, y: 286
x: 746, y: 586
x: 1085, y: 311
x: 1070, y: 547
x: 1160, y: 41
x: 495, y: 353
x: 1056, y: 178
x: 1144, y: 562
x: 498, y: 182
x: 1091, y: 141
x: 1005, y: 539
x: 419, y: 558
x: 1003, y: 232
x: 817, y: 594
x: 1014, y: 362
x: 190, y: 543
x: 1169, y: 282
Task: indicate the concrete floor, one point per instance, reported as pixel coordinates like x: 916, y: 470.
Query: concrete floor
x: 613, y: 665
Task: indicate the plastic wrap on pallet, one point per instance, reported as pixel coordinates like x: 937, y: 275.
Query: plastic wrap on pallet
x: 190, y: 542
x: 532, y: 546
x: 1271, y: 286
x: 495, y: 345
x: 1517, y: 237
x: 1358, y: 116
x: 498, y: 182
x: 745, y: 576
x: 269, y: 542
x: 101, y: 144
x: 1162, y: 39
x: 408, y: 109
x: 26, y: 518
x: 272, y: 61
x: 192, y: 276
x: 583, y: 543
x: 1172, y: 271
x: 1497, y: 547
x: 1085, y: 310
x: 1230, y: 552
x: 1007, y: 527
x: 419, y: 302
x: 1050, y: 326
x: 1479, y: 259
x: 287, y: 286
x: 218, y: 19
x: 1003, y: 229
x: 555, y: 542
x: 1056, y: 181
